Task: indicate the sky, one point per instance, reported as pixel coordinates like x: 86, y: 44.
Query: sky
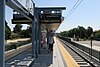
x: 86, y: 14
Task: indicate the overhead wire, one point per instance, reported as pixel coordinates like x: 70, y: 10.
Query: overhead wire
x: 72, y: 8
x: 78, y: 2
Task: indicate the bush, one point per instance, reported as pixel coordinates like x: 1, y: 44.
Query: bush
x: 97, y: 35
x: 14, y: 36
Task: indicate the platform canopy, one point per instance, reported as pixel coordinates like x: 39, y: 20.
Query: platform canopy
x: 50, y: 17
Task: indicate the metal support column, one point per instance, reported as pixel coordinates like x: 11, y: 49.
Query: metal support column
x: 48, y: 34
x: 91, y: 45
x: 36, y: 32
x: 33, y: 35
x: 36, y: 40
x: 2, y: 32
x: 33, y: 38
x: 39, y: 38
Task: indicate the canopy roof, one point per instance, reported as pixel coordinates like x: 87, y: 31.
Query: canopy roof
x: 50, y: 17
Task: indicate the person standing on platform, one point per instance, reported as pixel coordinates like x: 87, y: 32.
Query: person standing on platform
x: 51, y: 42
x: 43, y: 41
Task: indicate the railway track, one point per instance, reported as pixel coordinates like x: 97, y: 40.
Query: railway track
x: 77, y: 55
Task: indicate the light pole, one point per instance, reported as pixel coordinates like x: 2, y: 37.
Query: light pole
x: 91, y: 45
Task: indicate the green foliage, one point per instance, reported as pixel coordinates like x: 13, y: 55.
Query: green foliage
x: 76, y: 31
x: 14, y: 36
x: 17, y: 28
x: 70, y: 33
x: 7, y: 31
x: 16, y: 45
x: 79, y: 32
x: 82, y: 32
x: 97, y: 34
x: 17, y: 32
x: 21, y: 33
x: 26, y: 33
x: 89, y: 31
x: 64, y: 33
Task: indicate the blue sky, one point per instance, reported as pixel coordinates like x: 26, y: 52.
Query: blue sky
x: 86, y: 14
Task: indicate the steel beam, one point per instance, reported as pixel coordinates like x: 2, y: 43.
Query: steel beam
x: 14, y: 4
x: 2, y: 32
x: 51, y: 8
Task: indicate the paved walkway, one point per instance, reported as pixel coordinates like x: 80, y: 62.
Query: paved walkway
x: 16, y: 40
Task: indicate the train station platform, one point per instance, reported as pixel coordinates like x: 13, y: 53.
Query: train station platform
x: 59, y: 57
x: 95, y: 44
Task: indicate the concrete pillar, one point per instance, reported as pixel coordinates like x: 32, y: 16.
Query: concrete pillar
x: 2, y: 32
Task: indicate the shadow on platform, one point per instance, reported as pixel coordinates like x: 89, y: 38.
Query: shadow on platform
x: 44, y: 59
x: 19, y: 56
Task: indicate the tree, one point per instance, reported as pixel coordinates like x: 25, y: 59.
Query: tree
x: 79, y: 32
x: 7, y: 31
x: 97, y: 34
x: 82, y: 32
x: 71, y: 33
x: 17, y: 29
x: 26, y: 33
x: 29, y: 29
x: 64, y: 34
x: 14, y: 35
x: 76, y: 32
x: 89, y: 31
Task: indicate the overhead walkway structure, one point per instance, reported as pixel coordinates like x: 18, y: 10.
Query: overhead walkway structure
x: 41, y: 19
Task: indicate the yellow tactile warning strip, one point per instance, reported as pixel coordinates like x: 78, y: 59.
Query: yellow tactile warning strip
x: 67, y: 57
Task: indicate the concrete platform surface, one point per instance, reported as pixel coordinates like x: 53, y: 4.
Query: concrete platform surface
x: 45, y: 59
x: 95, y: 44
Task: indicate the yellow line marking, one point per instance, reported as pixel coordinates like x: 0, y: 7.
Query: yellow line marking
x: 67, y: 57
